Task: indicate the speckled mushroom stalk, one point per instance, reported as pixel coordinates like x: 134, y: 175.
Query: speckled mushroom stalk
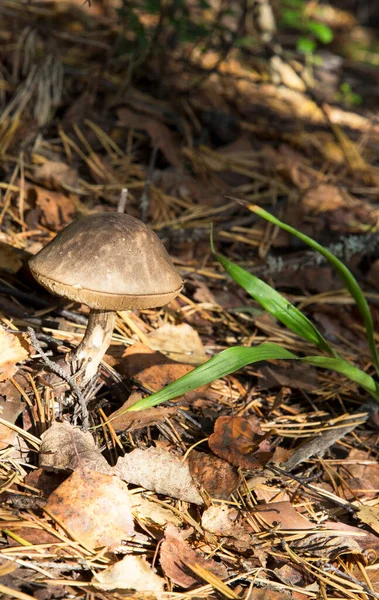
x: 96, y: 341
x: 109, y: 262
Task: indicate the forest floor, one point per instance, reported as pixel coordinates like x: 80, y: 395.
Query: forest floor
x: 262, y: 484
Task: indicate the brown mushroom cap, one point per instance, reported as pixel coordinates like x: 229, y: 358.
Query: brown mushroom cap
x: 108, y: 262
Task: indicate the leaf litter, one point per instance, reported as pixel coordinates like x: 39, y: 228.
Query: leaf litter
x: 260, y: 485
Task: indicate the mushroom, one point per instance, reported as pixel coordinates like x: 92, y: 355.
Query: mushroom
x: 109, y: 262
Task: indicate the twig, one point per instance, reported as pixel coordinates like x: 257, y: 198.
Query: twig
x: 60, y: 372
x: 122, y: 200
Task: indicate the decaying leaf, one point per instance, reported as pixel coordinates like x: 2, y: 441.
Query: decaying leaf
x: 95, y: 508
x: 181, y: 343
x: 11, y: 406
x: 152, y: 514
x: 55, y: 174
x: 65, y: 447
x: 221, y: 520
x: 129, y: 421
x: 132, y: 573
x: 240, y: 441
x: 369, y: 515
x: 159, y: 134
x: 56, y: 209
x: 156, y: 469
x: 176, y: 554
x: 279, y: 514
x: 11, y: 258
x: 13, y: 350
x: 218, y: 478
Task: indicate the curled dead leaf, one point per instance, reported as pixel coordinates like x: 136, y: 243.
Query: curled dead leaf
x: 241, y: 442
x: 13, y: 350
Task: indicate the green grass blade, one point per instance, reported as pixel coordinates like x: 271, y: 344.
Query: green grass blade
x: 235, y: 358
x: 348, y: 278
x: 345, y: 368
x: 222, y: 364
x: 276, y: 304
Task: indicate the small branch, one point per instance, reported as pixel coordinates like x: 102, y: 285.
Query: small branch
x: 61, y: 373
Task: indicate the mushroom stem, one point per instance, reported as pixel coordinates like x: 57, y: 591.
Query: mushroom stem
x: 94, y: 344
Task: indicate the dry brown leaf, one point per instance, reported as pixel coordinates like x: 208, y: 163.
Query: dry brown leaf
x: 13, y: 350
x: 132, y: 573
x: 224, y: 521
x: 11, y: 258
x: 368, y: 541
x: 56, y: 209
x: 181, y: 343
x: 240, y: 441
x: 154, y: 370
x: 129, y: 421
x: 65, y: 447
x: 11, y: 406
x: 323, y: 198
x: 33, y: 535
x: 159, y: 134
x: 303, y: 377
x: 156, y: 469
x: 369, y: 515
x: 218, y: 478
x: 152, y: 514
x: 55, y: 174
x: 94, y: 507
x: 176, y: 554
x: 281, y: 514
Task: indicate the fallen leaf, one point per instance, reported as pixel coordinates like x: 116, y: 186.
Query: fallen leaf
x: 369, y: 515
x: 13, y: 350
x: 240, y: 441
x: 218, y: 478
x: 10, y: 408
x: 159, y: 134
x: 154, y: 370
x: 95, y: 508
x: 368, y: 541
x: 175, y: 556
x: 301, y: 377
x: 156, y: 469
x: 11, y: 258
x: 152, y: 514
x: 130, y: 421
x: 132, y: 573
x: 181, y: 343
x: 56, y: 209
x: 323, y: 198
x: 361, y: 477
x: 65, y: 447
x: 221, y: 520
x: 55, y: 174
x: 33, y: 535
x: 281, y: 514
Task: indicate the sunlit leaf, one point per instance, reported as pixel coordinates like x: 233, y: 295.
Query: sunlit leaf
x: 277, y: 305
x: 235, y: 358
x: 351, y: 283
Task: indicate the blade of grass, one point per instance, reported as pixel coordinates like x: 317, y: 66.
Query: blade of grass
x: 232, y: 359
x: 277, y: 305
x: 351, y: 283
x: 222, y: 364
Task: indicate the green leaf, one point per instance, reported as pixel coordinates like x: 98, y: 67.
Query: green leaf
x: 350, y: 282
x: 292, y: 18
x: 321, y: 31
x: 305, y: 45
x: 345, y: 368
x: 228, y: 361
x: 276, y: 304
x: 235, y: 358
